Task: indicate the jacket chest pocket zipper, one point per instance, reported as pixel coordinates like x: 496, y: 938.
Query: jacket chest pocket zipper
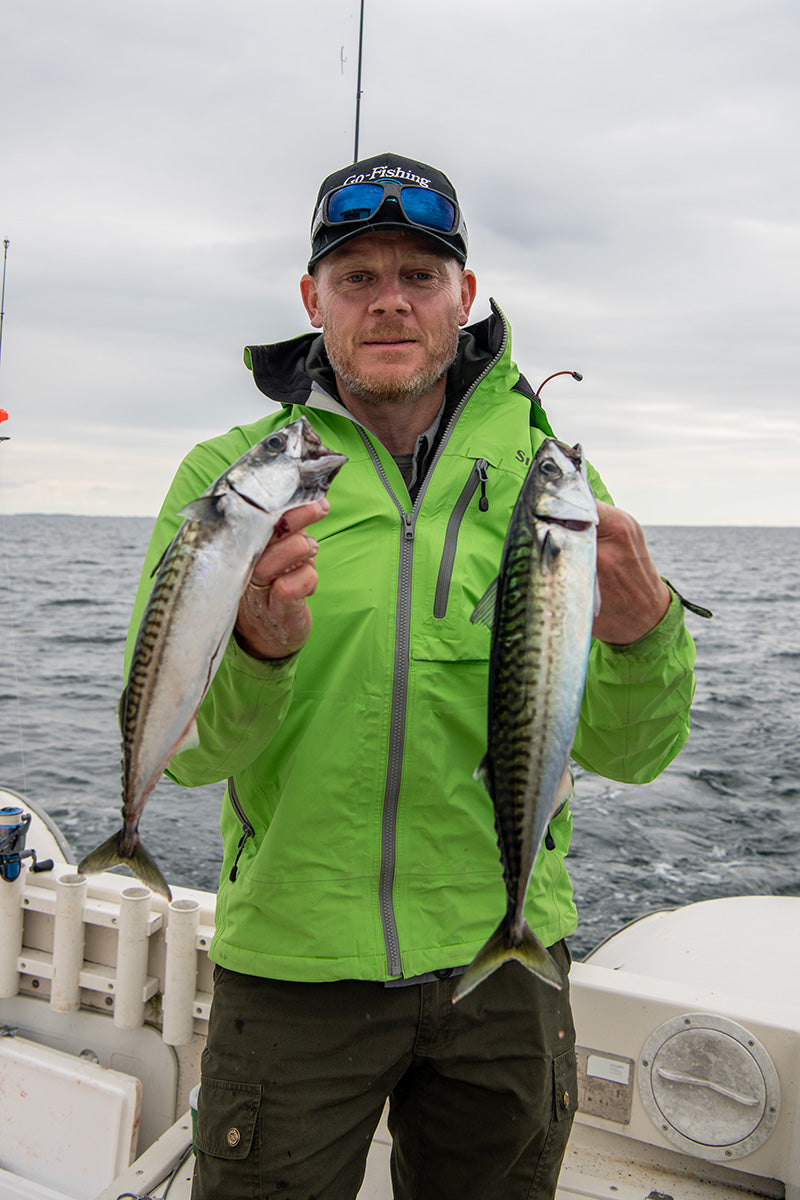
x: 477, y: 478
x: 247, y: 829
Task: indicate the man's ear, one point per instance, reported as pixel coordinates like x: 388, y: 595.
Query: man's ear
x: 469, y: 288
x: 308, y: 291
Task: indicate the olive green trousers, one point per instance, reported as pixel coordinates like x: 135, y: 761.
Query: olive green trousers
x: 295, y: 1077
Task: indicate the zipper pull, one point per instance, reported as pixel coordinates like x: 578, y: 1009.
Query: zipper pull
x: 235, y: 868
x: 483, y: 476
x: 408, y: 526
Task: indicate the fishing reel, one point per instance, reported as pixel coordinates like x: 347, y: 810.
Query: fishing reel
x: 14, y: 824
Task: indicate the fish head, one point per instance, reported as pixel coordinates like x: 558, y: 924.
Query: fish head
x: 288, y: 467
x: 317, y: 464
x: 559, y: 485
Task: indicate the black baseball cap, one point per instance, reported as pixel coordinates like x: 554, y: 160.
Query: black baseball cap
x: 387, y: 191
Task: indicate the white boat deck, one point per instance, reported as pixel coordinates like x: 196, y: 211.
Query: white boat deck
x: 103, y: 967
x: 587, y: 1175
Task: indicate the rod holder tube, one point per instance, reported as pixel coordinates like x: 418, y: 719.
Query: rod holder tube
x: 180, y: 972
x: 132, y: 954
x: 68, y: 940
x: 11, y: 917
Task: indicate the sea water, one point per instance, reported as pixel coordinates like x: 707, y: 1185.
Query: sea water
x: 722, y: 820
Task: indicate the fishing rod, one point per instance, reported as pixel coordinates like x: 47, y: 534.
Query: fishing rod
x: 3, y: 413
x: 3, y: 294
x: 358, y: 82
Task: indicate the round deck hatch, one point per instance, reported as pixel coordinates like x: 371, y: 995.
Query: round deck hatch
x: 709, y: 1086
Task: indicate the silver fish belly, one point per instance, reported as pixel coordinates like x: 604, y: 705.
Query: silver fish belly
x: 540, y: 609
x: 191, y: 613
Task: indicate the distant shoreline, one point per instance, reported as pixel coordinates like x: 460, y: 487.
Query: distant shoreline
x: 140, y: 517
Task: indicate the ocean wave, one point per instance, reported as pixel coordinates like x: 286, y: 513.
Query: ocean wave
x: 723, y: 819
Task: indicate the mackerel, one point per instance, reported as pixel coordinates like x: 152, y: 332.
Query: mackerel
x: 540, y: 610
x: 191, y: 614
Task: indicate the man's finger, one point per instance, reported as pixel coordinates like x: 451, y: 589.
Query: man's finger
x: 290, y: 552
x: 298, y: 518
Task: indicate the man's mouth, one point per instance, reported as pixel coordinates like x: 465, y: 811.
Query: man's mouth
x: 394, y: 341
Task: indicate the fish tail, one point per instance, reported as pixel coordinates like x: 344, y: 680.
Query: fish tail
x: 139, y: 861
x: 503, y: 947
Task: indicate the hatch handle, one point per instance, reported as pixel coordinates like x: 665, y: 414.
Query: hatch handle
x: 693, y: 1081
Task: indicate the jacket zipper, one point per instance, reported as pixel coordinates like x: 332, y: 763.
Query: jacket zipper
x: 247, y: 829
x: 478, y: 475
x: 397, y: 723
x: 397, y: 720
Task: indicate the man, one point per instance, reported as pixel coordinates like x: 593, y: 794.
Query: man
x: 361, y: 872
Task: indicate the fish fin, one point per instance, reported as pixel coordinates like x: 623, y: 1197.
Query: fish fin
x: 597, y: 602
x: 549, y: 551
x: 160, y: 562
x: 483, y: 613
x: 140, y: 862
x: 502, y: 948
x: 190, y: 738
x: 205, y: 509
x: 566, y: 789
x: 483, y: 773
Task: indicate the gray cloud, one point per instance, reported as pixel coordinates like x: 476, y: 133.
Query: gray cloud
x: 627, y: 171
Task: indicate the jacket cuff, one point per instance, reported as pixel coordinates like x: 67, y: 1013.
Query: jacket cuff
x: 259, y: 668
x: 651, y: 645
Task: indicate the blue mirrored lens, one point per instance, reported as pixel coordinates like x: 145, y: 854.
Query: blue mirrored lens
x: 428, y: 208
x: 358, y: 202
x: 361, y: 201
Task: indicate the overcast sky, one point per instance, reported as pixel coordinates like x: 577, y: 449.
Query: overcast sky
x: 628, y: 169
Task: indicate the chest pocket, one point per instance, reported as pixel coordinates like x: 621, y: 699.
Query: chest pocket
x: 478, y: 478
x: 453, y: 572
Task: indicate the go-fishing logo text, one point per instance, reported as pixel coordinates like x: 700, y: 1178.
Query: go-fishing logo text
x: 387, y: 173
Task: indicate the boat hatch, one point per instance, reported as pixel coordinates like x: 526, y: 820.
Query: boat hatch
x: 73, y: 1124
x: 710, y: 1086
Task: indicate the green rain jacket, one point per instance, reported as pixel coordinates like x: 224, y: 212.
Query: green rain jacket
x: 357, y: 844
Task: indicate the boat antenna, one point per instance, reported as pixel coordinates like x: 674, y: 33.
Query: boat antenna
x: 3, y: 293
x: 358, y: 82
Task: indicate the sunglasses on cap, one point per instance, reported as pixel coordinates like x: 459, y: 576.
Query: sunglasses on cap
x: 360, y: 202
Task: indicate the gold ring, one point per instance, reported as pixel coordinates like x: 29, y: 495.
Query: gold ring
x: 261, y: 587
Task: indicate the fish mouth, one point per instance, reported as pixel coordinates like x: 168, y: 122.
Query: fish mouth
x: 316, y: 464
x: 562, y: 495
x: 317, y: 473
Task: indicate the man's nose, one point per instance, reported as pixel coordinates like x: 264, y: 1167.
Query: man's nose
x: 389, y: 296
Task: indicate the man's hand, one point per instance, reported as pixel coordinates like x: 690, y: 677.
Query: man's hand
x: 633, y: 597
x: 274, y: 619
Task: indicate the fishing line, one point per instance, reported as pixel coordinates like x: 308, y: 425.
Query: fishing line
x: 9, y: 616
x: 10, y: 638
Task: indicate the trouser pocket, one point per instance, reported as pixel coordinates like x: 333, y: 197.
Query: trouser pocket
x: 565, y: 1104
x: 228, y: 1152
x: 565, y: 1085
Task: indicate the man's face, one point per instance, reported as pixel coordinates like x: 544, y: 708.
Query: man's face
x: 389, y: 306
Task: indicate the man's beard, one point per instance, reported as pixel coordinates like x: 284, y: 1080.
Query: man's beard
x: 405, y: 390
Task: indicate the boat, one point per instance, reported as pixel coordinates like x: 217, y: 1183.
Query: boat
x: 688, y: 1041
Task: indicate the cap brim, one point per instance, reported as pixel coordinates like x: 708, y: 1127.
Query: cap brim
x: 337, y: 240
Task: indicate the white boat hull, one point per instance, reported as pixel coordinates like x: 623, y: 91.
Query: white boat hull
x: 689, y: 1054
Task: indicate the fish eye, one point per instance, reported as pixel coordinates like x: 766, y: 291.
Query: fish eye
x: 551, y: 470
x: 275, y: 443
